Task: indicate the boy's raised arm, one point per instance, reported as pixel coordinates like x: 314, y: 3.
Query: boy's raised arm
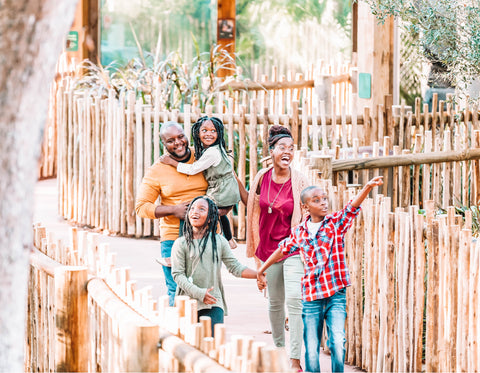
x: 376, y: 181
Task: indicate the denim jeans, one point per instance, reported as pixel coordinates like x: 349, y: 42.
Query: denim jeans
x: 333, y: 311
x: 215, y: 313
x: 166, y: 249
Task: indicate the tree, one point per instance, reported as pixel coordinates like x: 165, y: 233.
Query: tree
x: 32, y: 34
x: 448, y: 32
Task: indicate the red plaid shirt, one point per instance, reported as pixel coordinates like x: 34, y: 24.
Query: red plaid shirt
x: 324, y: 255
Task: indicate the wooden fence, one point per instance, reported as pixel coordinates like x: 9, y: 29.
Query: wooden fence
x: 279, y: 95
x: 105, y: 146
x: 413, y: 304
x: 445, y: 169
x: 86, y: 314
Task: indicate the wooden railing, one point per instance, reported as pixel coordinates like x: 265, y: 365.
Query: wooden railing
x: 85, y: 314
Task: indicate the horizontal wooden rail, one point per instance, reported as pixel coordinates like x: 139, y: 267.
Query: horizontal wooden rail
x: 271, y: 118
x: 43, y: 263
x: 249, y: 85
x: 135, y: 341
x: 113, y: 305
x: 192, y: 359
x: 405, y: 160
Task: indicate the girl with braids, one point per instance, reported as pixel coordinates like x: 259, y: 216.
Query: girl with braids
x: 211, y: 158
x: 197, y: 258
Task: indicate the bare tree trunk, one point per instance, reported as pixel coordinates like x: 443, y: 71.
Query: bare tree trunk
x: 32, y: 33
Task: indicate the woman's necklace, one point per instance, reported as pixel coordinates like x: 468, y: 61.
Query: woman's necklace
x: 269, y: 210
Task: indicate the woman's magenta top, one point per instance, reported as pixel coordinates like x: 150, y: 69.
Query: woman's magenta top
x: 274, y: 226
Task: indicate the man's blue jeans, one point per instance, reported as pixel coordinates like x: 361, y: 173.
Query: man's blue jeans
x: 166, y: 249
x: 333, y: 310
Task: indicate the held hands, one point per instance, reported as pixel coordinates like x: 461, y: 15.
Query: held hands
x: 261, y: 281
x: 209, y: 298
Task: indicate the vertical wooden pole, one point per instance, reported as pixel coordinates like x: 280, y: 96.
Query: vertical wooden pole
x: 242, y: 159
x: 129, y: 179
x: 431, y: 347
x: 71, y: 302
x: 252, y: 130
x: 226, y: 30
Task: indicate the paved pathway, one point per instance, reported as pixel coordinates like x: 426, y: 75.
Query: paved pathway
x: 247, y: 306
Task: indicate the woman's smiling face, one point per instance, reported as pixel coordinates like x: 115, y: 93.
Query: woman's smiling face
x: 282, y: 152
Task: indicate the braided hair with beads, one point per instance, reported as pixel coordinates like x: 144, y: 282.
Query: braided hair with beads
x: 209, y: 229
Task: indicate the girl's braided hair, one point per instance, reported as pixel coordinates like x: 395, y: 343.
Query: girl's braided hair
x: 199, y: 149
x: 210, y: 228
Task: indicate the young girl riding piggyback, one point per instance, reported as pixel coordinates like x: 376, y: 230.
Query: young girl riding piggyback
x: 212, y: 158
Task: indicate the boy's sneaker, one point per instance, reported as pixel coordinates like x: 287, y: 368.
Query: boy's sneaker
x: 166, y: 262
x: 233, y: 244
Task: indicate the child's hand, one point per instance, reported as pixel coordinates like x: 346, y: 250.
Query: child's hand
x: 208, y: 298
x: 261, y: 281
x: 376, y: 181
x: 166, y: 159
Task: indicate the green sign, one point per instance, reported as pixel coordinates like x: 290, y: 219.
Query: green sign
x: 72, y: 41
x: 364, y: 85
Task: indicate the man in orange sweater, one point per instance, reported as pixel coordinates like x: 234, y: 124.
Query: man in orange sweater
x: 176, y: 190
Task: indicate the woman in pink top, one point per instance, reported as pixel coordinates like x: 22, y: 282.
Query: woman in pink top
x: 274, y: 207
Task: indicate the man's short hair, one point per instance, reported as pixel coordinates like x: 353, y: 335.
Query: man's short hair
x: 306, y: 192
x: 167, y: 125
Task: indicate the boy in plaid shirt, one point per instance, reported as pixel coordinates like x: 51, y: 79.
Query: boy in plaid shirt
x: 320, y: 240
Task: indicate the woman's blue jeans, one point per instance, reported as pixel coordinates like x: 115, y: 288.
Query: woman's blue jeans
x: 333, y: 310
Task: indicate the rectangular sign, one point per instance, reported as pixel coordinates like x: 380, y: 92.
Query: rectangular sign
x: 72, y: 41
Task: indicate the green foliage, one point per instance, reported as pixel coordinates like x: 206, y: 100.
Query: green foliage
x: 449, y: 32
x: 177, y: 83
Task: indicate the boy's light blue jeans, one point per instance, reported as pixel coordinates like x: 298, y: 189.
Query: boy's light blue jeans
x: 334, y: 311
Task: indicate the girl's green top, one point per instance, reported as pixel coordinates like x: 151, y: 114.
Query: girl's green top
x: 194, y: 276
x: 222, y: 185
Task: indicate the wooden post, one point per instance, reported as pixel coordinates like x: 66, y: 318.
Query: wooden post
x: 72, y: 323
x: 129, y: 164
x: 253, y: 139
x: 242, y: 159
x: 226, y: 30
x: 323, y: 163
x: 431, y: 347
x: 373, y: 37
